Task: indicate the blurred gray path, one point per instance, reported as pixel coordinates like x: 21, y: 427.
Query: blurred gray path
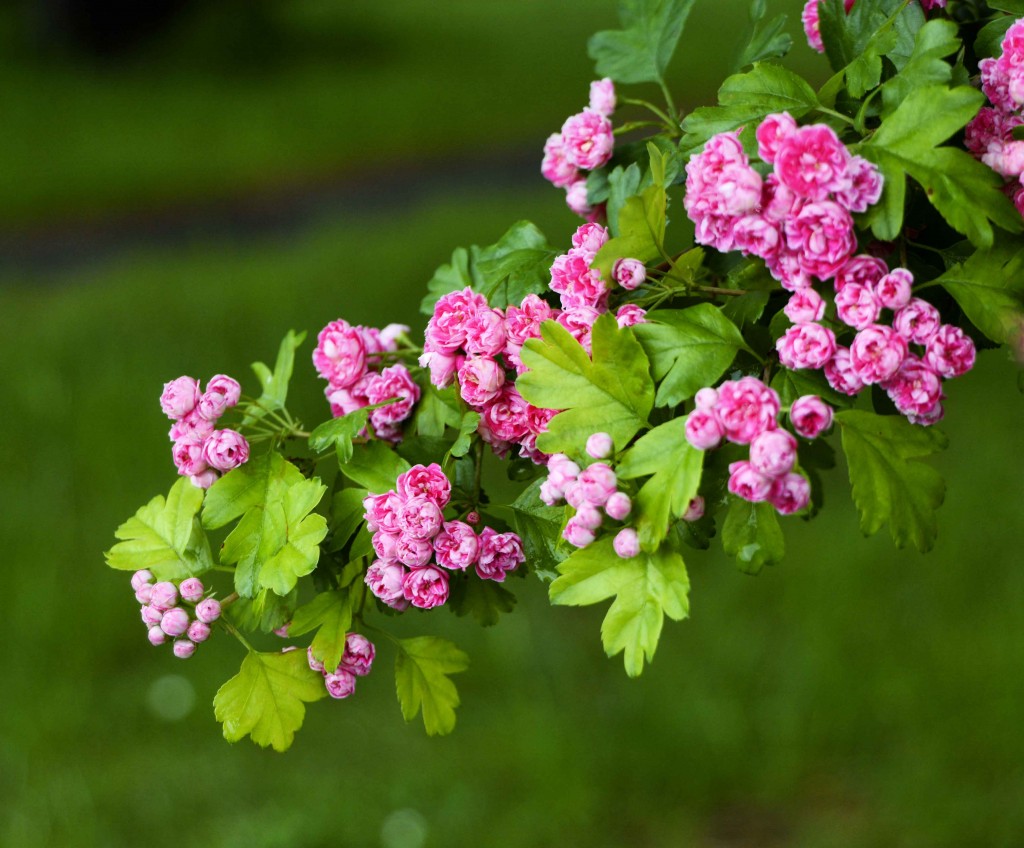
x: 281, y: 210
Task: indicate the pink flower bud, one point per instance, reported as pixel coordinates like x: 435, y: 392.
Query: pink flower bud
x: 164, y: 595
x: 426, y: 587
x: 174, y: 622
x: 198, y: 631
x: 810, y: 416
x: 706, y: 399
x: 156, y: 635
x: 359, y: 654
x: 790, y: 493
x: 576, y: 534
x: 627, y: 543
x: 618, y: 506
x: 340, y: 684
x: 703, y: 429
x: 144, y: 593
x: 574, y: 495
x: 588, y: 516
x: 893, y: 290
x: 629, y: 273
x: 204, y: 479
x: 748, y: 483
x: 191, y: 590
x: 600, y: 446
x: 773, y: 452
x: 208, y: 610
x: 602, y: 96
x: 141, y: 578
x: 314, y: 663
x: 598, y: 483
x: 473, y: 518
x: 225, y: 449
x: 179, y: 397
x: 183, y: 649
x: 695, y: 511
x: 151, y: 615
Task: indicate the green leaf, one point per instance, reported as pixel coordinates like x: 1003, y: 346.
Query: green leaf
x: 770, y: 41
x: 267, y: 611
x: 274, y: 384
x: 623, y: 183
x: 962, y: 189
x: 889, y: 484
x: 346, y: 516
x: 273, y: 526
x: 674, y: 466
x: 374, y: 466
x: 989, y: 287
x: 744, y: 101
x: 331, y: 612
x: 340, y: 432
x: 540, y: 527
x: 688, y: 349
x: 989, y: 41
x: 1014, y: 7
x: 437, y: 409
x: 164, y: 536
x: 641, y: 51
x: 646, y: 588
x: 485, y: 600
x: 448, y: 278
x: 612, y: 393
x: 935, y: 40
x: 517, y: 265
x: 752, y: 535
x: 470, y: 422
x: 793, y: 384
x: 422, y: 667
x: 265, y: 700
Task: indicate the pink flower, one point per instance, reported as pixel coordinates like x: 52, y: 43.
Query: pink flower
x: 382, y: 510
x: 618, y: 506
x: 863, y: 185
x: 915, y: 390
x: 188, y: 458
x: 340, y: 684
x: 208, y: 610
x: 446, y: 329
x: 876, y: 353
x: 183, y: 648
x: 600, y: 446
x: 392, y: 382
x: 812, y: 28
x: 555, y: 167
x: 577, y: 200
x: 141, y: 578
x: 805, y: 306
x: 359, y: 654
x: 198, y: 631
x: 745, y: 408
x: 918, y: 321
x: 598, y: 483
x: 222, y: 392
x: 174, y: 622
x: 806, y: 346
x: 748, y: 483
x: 790, y: 493
x: 810, y: 416
x: 429, y: 480
x: 485, y: 333
x: 144, y: 593
x: 821, y: 235
x: 773, y: 452
x: 192, y: 428
x: 950, y: 352
x: 577, y: 534
x: 386, y: 581
x: 629, y: 273
x: 204, y: 479
x: 385, y: 545
x: 426, y: 588
x: 179, y: 397
x: 456, y: 546
x: 706, y: 399
x: 340, y: 355
x: 629, y: 315
x: 420, y: 518
x: 588, y: 516
x: 578, y: 321
x: 191, y: 589
x: 602, y: 96
x: 576, y: 282
x: 414, y: 553
x: 523, y: 322
x: 857, y: 306
x: 150, y: 615
x: 626, y: 543
x: 588, y: 140
x: 480, y: 380
x: 562, y: 471
x: 590, y: 237
x: 757, y: 235
x: 156, y: 636
x: 893, y: 290
x: 840, y: 373
x: 505, y: 418
x: 812, y: 161
x: 703, y: 429
x: 500, y: 553
x: 770, y: 134
x: 695, y: 510
x: 226, y: 449
x: 344, y: 401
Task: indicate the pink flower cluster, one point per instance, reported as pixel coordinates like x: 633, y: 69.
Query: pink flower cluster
x: 584, y: 144
x: 162, y: 611
x: 812, y: 27
x: 798, y: 218
x: 989, y: 135
x: 416, y: 547
x: 355, y: 662
x: 200, y: 451
x: 350, y: 358
x: 880, y: 353
x: 745, y: 412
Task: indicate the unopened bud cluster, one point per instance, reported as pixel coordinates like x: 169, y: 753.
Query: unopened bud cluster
x: 201, y: 452
x: 355, y: 662
x: 174, y: 612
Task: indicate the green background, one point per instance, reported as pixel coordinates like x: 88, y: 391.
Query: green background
x: 853, y: 696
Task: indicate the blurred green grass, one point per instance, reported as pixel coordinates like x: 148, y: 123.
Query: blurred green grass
x: 853, y: 696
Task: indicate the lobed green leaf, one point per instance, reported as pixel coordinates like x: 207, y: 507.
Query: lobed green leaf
x: 641, y: 51
x: 422, y: 667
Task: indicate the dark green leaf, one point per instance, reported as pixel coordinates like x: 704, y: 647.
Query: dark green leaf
x: 346, y: 516
x: 935, y: 40
x: 470, y: 422
x: 340, y: 432
x: 769, y: 41
x: 437, y: 409
x: 448, y: 278
x: 375, y: 466
x: 274, y: 384
x: 540, y: 527
x: 752, y: 535
x: 421, y: 678
x: 331, y: 613
x: 641, y: 51
x: 989, y: 287
x: 485, y: 600
x: 623, y: 183
x: 517, y: 265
